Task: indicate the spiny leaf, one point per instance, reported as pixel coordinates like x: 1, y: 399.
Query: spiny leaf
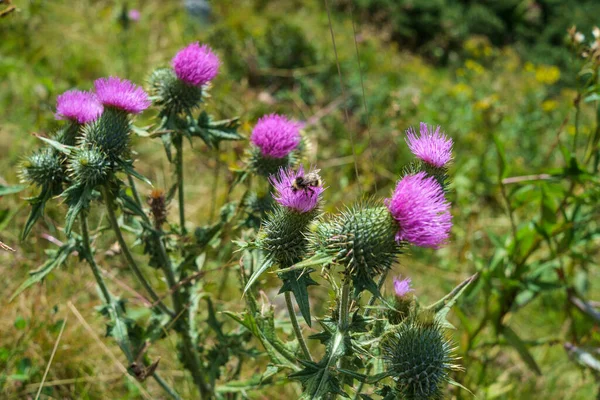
x: 515, y: 341
x: 38, y: 205
x: 63, y: 148
x: 298, y: 283
x: 443, y: 306
x: 56, y: 258
x: 257, y: 273
x: 6, y: 190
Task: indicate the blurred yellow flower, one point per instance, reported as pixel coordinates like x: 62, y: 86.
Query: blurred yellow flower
x: 474, y: 66
x: 462, y: 89
x: 549, y: 105
x: 547, y: 74
x: 486, y: 102
x: 571, y: 130
x: 529, y: 67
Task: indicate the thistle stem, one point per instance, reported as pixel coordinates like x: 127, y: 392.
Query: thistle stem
x: 106, y: 294
x: 108, y: 199
x: 180, y: 194
x: 296, y: 326
x: 379, y: 286
x: 136, y: 195
x: 90, y: 258
x: 344, y: 306
x: 170, y: 391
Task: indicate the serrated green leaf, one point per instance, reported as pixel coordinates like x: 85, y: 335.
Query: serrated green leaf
x: 56, y: 258
x: 298, y: 282
x: 38, y: 205
x: 443, y: 306
x: 267, y: 262
x: 515, y: 341
x: 63, y: 148
x: 11, y: 189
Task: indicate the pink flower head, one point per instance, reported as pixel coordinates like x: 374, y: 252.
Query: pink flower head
x: 196, y: 65
x: 134, y: 15
x: 289, y: 195
x: 276, y: 136
x: 422, y: 211
x: 402, y: 286
x: 121, y: 94
x: 435, y: 148
x: 76, y: 105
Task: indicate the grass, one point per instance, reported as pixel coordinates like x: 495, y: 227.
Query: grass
x: 53, y: 46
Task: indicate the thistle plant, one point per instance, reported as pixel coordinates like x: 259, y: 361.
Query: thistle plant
x: 396, y: 346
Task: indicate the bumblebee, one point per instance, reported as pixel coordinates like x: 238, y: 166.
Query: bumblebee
x: 307, y: 182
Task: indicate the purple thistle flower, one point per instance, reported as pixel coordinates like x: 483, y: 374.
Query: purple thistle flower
x: 196, y: 65
x: 402, y: 286
x: 435, y: 148
x: 76, y: 105
x: 422, y: 211
x: 276, y: 136
x: 134, y: 15
x: 121, y: 94
x: 301, y: 200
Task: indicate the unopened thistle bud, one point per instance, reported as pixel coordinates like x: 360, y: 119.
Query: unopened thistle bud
x: 275, y: 139
x: 283, y: 236
x: 172, y: 95
x: 44, y: 168
x: 419, y: 358
x: 110, y: 134
x: 363, y: 240
x: 89, y: 167
x: 420, y: 207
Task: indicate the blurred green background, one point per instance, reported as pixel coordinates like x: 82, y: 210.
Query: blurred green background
x: 478, y: 69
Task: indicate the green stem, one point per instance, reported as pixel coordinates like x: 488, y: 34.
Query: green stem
x: 170, y: 391
x: 373, y: 298
x: 344, y: 306
x: 108, y: 199
x: 179, y: 169
x: 106, y: 294
x: 90, y: 258
x: 136, y: 195
x: 296, y: 326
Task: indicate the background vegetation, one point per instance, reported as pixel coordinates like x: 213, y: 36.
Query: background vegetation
x: 481, y: 70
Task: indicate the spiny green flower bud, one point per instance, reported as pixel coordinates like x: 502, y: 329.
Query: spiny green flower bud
x: 440, y: 174
x: 283, y: 236
x: 109, y: 134
x: 44, y: 168
x: 172, y: 94
x: 267, y: 166
x: 419, y: 358
x: 89, y: 167
x: 363, y: 240
x: 67, y: 134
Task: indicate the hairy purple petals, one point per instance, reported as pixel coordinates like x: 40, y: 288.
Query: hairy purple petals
x: 422, y: 211
x: 276, y: 136
x: 433, y: 147
x: 79, y: 106
x: 302, y: 200
x: 122, y: 94
x: 402, y: 286
x: 196, y: 65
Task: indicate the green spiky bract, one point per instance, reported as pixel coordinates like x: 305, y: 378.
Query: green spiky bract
x: 110, y: 134
x: 172, y: 95
x: 44, y: 168
x: 362, y: 239
x: 283, y: 235
x: 419, y: 357
x: 283, y: 238
x: 439, y: 174
x: 267, y: 166
x: 88, y: 169
x: 68, y: 134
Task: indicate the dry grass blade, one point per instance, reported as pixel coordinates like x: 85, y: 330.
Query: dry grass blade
x: 62, y: 329
x: 118, y: 364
